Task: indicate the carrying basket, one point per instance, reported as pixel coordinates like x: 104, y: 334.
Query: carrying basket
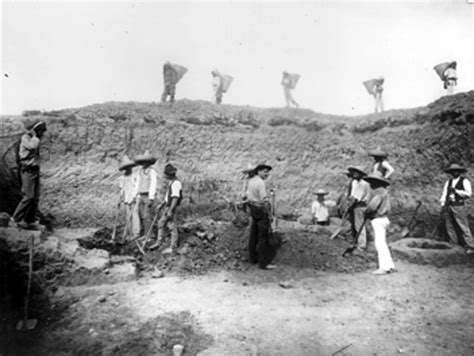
x: 370, y: 84
x: 441, y: 68
x: 226, y: 81
x: 180, y: 71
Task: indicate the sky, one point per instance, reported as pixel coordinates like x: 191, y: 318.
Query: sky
x: 67, y: 54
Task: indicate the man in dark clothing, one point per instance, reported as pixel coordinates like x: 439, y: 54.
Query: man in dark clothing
x: 456, y: 190
x: 170, y: 78
x: 26, y: 211
x: 260, y: 250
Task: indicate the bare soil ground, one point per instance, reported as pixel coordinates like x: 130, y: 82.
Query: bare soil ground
x: 314, y: 303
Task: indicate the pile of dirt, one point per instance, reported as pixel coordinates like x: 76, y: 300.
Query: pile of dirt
x: 83, y: 147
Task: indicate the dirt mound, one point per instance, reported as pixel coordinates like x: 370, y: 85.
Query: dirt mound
x: 83, y: 146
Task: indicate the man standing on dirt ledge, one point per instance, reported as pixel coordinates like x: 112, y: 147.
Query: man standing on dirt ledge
x: 173, y: 197
x: 170, y: 78
x: 29, y: 166
x: 456, y: 190
x: 260, y: 208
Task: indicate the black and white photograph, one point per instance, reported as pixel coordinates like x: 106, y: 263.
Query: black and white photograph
x: 237, y: 178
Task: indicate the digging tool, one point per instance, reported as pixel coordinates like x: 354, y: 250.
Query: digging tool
x: 114, y: 231
x: 406, y: 231
x: 28, y: 324
x: 354, y: 245
x: 158, y: 210
x: 343, y: 221
x: 274, y: 223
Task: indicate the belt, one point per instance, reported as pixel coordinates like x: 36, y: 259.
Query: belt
x: 455, y: 204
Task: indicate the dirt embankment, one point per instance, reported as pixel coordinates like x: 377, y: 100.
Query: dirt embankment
x: 211, y: 144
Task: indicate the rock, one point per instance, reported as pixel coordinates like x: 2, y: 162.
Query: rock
x: 157, y: 274
x: 4, y: 219
x: 17, y: 239
x: 101, y: 299
x: 94, y: 259
x: 123, y: 272
x: 285, y: 284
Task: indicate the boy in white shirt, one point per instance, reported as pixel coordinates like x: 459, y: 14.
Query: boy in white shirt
x: 320, y: 208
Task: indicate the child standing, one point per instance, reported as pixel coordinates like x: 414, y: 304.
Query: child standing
x: 320, y: 208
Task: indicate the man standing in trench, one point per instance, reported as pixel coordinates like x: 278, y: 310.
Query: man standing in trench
x: 260, y: 250
x: 25, y: 214
x: 455, y: 192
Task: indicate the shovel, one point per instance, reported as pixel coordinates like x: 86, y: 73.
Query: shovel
x: 407, y: 229
x: 354, y: 245
x: 28, y: 324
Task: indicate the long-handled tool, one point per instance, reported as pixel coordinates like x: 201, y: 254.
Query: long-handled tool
x: 354, y: 245
x: 117, y: 214
x: 274, y: 222
x: 158, y: 210
x: 407, y: 229
x: 28, y: 324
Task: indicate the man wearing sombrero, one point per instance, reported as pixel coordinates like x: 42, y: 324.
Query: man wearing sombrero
x: 29, y: 167
x: 260, y: 208
x: 359, y: 192
x: 377, y: 212
x: 381, y: 167
x: 455, y: 192
x: 147, y: 183
x: 128, y: 192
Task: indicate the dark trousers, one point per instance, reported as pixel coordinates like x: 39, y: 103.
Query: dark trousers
x: 170, y: 90
x: 30, y: 188
x: 457, y: 226
x: 259, y: 249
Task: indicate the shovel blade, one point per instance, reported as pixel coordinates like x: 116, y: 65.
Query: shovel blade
x: 337, y: 232
x: 30, y: 324
x: 405, y: 232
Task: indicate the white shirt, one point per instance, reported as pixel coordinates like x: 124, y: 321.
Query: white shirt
x: 176, y: 188
x: 360, y: 190
x: 450, y: 73
x: 256, y: 191
x: 466, y: 193
x: 147, y: 181
x: 128, y: 187
x: 320, y: 209
x: 388, y: 169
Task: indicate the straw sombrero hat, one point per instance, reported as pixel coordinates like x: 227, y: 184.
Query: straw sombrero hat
x: 376, y: 179
x: 455, y: 168
x: 358, y: 169
x: 126, y: 162
x: 249, y: 169
x: 262, y: 166
x: 145, y: 158
x: 320, y: 192
x: 378, y: 153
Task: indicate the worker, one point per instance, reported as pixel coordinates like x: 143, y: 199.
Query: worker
x: 455, y: 193
x: 359, y: 193
x: 381, y: 167
x: 170, y: 78
x: 320, y: 208
x: 173, y: 197
x: 287, y: 88
x: 128, y: 194
x: 378, y: 90
x: 25, y: 213
x: 260, y: 208
x: 450, y: 78
x: 378, y: 208
x: 217, y: 86
x: 147, y: 183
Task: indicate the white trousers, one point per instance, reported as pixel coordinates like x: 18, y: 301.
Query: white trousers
x: 385, y: 259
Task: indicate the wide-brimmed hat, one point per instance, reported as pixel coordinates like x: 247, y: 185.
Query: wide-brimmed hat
x: 356, y: 169
x: 378, y: 153
x: 262, y: 166
x: 170, y: 170
x: 455, y: 168
x: 372, y: 178
x: 145, y: 158
x: 320, y: 192
x: 126, y: 163
x: 250, y: 168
